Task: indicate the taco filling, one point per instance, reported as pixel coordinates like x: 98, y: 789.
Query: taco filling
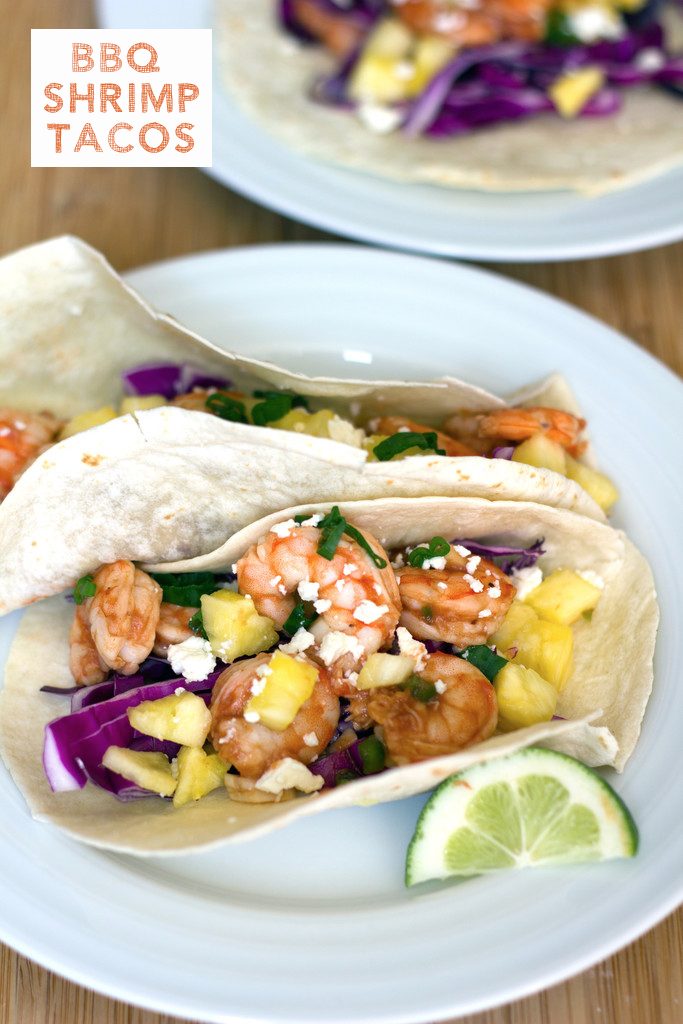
x: 319, y: 659
x: 444, y: 68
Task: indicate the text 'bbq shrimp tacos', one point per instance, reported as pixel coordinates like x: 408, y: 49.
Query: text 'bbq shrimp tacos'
x: 500, y: 95
x: 325, y: 656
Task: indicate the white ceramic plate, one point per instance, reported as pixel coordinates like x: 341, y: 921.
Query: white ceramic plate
x: 448, y: 222
x: 313, y: 923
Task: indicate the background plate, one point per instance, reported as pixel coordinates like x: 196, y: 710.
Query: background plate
x: 313, y: 923
x: 447, y: 222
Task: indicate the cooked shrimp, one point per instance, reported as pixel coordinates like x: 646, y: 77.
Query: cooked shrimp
x: 86, y: 666
x: 172, y: 627
x: 464, y: 603
x: 123, y: 615
x: 23, y: 437
x: 516, y: 424
x: 462, y: 712
x: 251, y: 746
x: 349, y: 593
x: 394, y: 424
x: 475, y: 22
x: 339, y: 33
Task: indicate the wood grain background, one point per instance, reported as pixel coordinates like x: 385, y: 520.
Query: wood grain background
x: 138, y: 216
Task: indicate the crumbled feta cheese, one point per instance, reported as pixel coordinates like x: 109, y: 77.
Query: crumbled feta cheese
x: 592, y: 23
x: 441, y: 585
x: 379, y: 118
x: 526, y: 580
x: 5, y: 431
x: 192, y: 659
x: 233, y: 567
x: 258, y: 685
x: 368, y: 612
x: 476, y: 586
x: 403, y: 430
x: 264, y: 670
x: 314, y: 520
x: 283, y: 530
x: 437, y: 562
x: 252, y: 717
x: 349, y: 568
x: 462, y: 551
x: 399, y: 561
x: 275, y: 580
x: 301, y: 641
x: 494, y: 590
x: 310, y: 739
x: 591, y: 577
x: 282, y: 589
x: 308, y: 591
x: 440, y: 686
x: 650, y: 59
x: 377, y: 589
x: 472, y: 563
x: 340, y: 584
x: 345, y: 432
x: 485, y: 613
x: 412, y: 648
x: 335, y: 645
x: 289, y: 774
x: 178, y: 690
x: 322, y: 606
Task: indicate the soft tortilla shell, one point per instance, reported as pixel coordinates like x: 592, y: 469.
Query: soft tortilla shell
x: 269, y: 75
x: 170, y: 484
x: 39, y: 656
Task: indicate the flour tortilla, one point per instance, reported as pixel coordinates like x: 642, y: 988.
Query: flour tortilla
x: 269, y: 75
x: 605, y: 697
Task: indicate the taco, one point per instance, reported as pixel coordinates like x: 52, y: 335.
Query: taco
x: 493, y: 95
x: 325, y: 656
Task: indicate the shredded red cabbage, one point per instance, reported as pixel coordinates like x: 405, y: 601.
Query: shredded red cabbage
x: 503, y: 452
x: 168, y: 379
x: 505, y: 557
x: 75, y: 744
x: 508, y: 80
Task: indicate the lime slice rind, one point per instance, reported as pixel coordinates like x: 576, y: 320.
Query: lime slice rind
x: 563, y: 813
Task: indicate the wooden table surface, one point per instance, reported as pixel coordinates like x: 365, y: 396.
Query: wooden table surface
x: 137, y: 216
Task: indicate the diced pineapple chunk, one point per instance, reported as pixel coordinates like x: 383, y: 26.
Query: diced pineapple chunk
x: 389, y: 38
x: 234, y: 627
x: 431, y: 54
x: 546, y: 647
x: 519, y: 616
x: 86, y: 420
x: 599, y: 486
x: 181, y: 718
x: 396, y: 64
x: 300, y: 421
x: 288, y: 685
x: 138, y: 403
x: 524, y: 697
x: 540, y: 451
x: 198, y: 773
x: 146, y: 769
x: 570, y: 92
x: 385, y: 670
x: 563, y: 597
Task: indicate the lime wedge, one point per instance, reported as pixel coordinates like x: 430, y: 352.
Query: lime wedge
x: 531, y: 808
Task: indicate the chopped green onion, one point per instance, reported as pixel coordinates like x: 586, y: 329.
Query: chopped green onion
x: 395, y: 445
x: 227, y: 408
x: 419, y: 688
x: 333, y: 527
x: 487, y: 661
x: 85, y: 587
x: 558, y: 29
x: 185, y: 588
x: 196, y: 624
x: 346, y: 775
x: 437, y: 547
x: 274, y: 406
x: 372, y: 754
x: 301, y: 618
